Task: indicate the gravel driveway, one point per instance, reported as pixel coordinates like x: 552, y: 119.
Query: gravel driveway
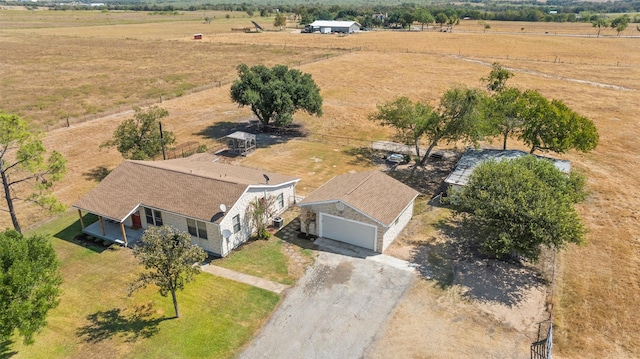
x: 336, y: 310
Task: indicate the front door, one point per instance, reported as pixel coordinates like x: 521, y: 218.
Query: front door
x: 135, y: 220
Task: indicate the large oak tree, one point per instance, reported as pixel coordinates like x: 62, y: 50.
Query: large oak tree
x: 517, y: 206
x: 275, y: 94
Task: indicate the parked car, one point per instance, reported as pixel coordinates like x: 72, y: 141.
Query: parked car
x: 395, y: 158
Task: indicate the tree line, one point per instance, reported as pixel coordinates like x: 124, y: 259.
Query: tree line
x: 403, y: 15
x: 504, y: 112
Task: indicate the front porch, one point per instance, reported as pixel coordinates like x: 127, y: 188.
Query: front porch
x: 113, y: 232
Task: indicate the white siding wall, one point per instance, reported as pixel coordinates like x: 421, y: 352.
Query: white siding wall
x: 397, y: 227
x: 240, y: 208
x: 212, y: 244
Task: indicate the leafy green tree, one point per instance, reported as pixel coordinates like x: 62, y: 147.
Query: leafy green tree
x: 29, y: 284
x: 305, y: 18
x: 139, y: 138
x: 505, y: 112
x: 441, y: 18
x: 452, y: 21
x: 497, y: 79
x: 275, y: 94
x: 599, y: 22
x: 460, y: 118
x: 552, y: 126
x: 423, y: 16
x: 406, y: 19
x: 409, y: 119
x: 280, y: 21
x: 24, y: 169
x: 620, y: 23
x: 516, y: 206
x: 170, y: 260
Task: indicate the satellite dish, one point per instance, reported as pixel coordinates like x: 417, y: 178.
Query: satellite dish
x: 266, y: 177
x: 339, y: 206
x: 226, y: 233
x: 223, y: 208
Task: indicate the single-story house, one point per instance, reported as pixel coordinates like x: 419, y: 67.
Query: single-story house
x: 473, y: 157
x: 366, y: 209
x: 195, y: 194
x: 329, y: 26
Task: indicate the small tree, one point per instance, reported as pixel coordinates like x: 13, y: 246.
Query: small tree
x: 280, y: 20
x: 259, y: 212
x: 516, y: 206
x: 24, y: 171
x: 139, y: 138
x: 410, y: 120
x: 423, y: 16
x: 275, y: 94
x: 599, y: 22
x: 441, y: 18
x: 460, y: 117
x: 29, y: 284
x: 497, y: 79
x: 170, y: 260
x: 506, y: 113
x: 620, y: 23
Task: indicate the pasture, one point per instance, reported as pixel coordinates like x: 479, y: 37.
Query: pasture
x: 77, y: 66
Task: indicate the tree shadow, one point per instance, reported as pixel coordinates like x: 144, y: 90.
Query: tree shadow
x: 266, y: 136
x: 137, y: 324
x: 366, y: 156
x: 428, y: 180
x: 455, y: 259
x: 5, y: 349
x: 97, y: 174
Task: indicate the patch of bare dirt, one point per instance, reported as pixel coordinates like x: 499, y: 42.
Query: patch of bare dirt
x: 466, y: 305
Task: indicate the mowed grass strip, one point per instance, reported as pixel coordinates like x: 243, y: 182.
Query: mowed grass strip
x: 260, y: 258
x: 96, y: 318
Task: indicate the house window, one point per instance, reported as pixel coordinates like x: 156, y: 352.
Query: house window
x: 281, y: 201
x: 154, y: 217
x: 197, y: 228
x: 236, y: 223
x: 202, y: 230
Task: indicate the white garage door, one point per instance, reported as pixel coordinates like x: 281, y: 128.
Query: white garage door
x: 348, y: 231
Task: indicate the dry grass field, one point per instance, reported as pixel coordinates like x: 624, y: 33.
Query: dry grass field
x: 50, y: 72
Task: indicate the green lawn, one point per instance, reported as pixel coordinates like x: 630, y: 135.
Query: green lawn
x: 260, y: 258
x: 96, y: 319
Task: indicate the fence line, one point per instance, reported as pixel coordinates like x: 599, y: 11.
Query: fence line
x: 72, y: 120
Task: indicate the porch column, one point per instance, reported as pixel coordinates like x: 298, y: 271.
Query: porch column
x: 124, y: 233
x: 81, y: 220
x: 101, y: 225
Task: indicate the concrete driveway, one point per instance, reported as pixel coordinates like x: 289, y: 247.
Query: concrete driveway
x: 335, y: 311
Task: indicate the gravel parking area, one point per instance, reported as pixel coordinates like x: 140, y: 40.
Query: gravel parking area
x: 336, y: 311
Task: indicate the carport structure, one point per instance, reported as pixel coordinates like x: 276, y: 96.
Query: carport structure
x: 366, y: 209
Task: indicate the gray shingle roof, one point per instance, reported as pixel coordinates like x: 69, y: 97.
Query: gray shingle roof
x: 193, y: 187
x: 373, y: 193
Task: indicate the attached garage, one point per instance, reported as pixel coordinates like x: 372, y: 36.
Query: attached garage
x: 348, y: 231
x: 365, y: 209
